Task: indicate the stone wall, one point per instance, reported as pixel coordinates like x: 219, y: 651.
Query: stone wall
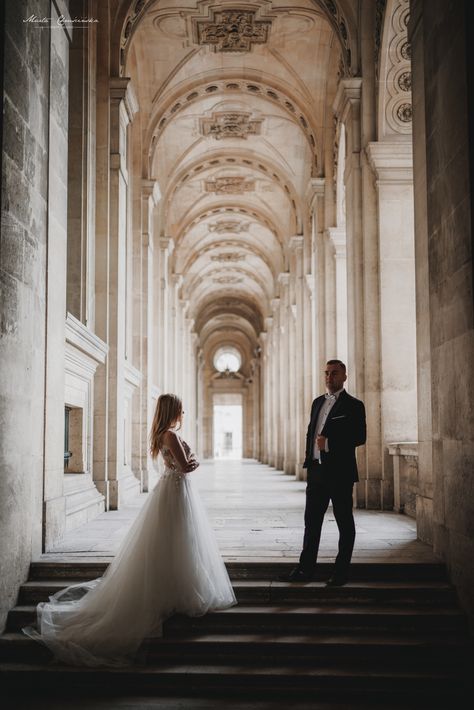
x: 444, y: 218
x: 22, y: 274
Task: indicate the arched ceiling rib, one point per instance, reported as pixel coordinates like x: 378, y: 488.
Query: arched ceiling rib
x: 233, y: 138
x: 271, y: 94
x: 248, y: 160
x: 339, y: 13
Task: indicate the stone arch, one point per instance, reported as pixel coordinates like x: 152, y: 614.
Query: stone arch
x: 394, y: 108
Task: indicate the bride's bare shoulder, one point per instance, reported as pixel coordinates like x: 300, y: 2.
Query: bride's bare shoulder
x: 169, y: 437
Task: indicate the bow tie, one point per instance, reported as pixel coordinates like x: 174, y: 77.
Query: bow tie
x: 330, y: 396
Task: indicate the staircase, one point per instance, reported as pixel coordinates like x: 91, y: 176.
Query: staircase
x: 394, y: 632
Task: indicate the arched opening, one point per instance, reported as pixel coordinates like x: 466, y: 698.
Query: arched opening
x: 252, y: 202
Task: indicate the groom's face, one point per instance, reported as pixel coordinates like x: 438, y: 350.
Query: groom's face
x: 335, y: 377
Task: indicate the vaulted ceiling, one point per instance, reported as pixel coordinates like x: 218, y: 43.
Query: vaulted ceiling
x: 235, y: 119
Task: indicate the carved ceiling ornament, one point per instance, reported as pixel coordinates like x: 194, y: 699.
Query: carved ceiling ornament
x: 230, y: 124
x: 227, y: 280
x: 251, y: 88
x: 395, y: 106
x: 232, y: 185
x: 231, y: 30
x: 229, y: 257
x: 234, y: 226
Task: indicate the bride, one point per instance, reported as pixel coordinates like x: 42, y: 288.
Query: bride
x: 168, y: 563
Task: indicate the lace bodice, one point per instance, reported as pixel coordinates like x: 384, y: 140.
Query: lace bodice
x: 169, y: 459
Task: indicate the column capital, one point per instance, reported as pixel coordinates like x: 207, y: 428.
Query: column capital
x: 151, y: 188
x: 296, y: 243
x: 337, y: 237
x: 314, y: 189
x: 275, y: 304
x: 284, y: 278
x: 166, y: 244
x: 177, y: 280
x: 121, y: 89
x: 348, y: 94
x: 391, y: 161
x: 310, y: 283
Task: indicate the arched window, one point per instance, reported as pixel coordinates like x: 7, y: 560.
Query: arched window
x: 227, y: 358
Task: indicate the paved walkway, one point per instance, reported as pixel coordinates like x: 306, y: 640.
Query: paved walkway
x: 257, y: 513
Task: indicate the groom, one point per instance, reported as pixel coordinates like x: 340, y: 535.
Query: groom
x: 336, y: 427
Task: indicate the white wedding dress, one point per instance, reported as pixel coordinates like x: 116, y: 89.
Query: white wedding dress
x: 168, y: 563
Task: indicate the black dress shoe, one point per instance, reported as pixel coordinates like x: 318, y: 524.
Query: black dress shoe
x: 296, y: 575
x: 337, y: 580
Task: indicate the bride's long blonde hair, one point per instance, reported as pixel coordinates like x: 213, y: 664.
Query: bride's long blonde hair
x: 168, y: 411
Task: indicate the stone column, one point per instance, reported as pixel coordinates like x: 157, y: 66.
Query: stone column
x: 187, y: 367
x: 267, y: 392
x: 337, y: 235
x: 144, y: 318
x: 284, y: 388
x: 111, y: 478
x: 200, y: 403
x: 392, y: 163
x: 162, y: 337
x: 276, y: 453
x: 81, y: 166
x: 363, y: 285
x: 56, y: 267
x: 297, y: 249
x: 330, y: 315
x: 292, y: 373
x: 316, y: 197
x: 426, y: 445
x: 193, y: 392
x: 174, y: 348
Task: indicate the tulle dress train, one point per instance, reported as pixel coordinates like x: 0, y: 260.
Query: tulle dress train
x: 168, y: 563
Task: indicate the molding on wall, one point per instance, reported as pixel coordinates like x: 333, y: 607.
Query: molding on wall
x: 83, y: 339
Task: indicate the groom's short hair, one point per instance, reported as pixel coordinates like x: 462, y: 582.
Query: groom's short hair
x: 337, y: 362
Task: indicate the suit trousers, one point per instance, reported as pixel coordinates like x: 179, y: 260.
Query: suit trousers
x: 322, y: 488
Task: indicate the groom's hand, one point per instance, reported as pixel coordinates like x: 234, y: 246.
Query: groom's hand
x: 321, y: 442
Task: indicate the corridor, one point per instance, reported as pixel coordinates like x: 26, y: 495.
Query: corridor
x: 257, y: 513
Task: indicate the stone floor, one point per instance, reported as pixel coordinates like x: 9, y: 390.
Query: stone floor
x: 257, y: 513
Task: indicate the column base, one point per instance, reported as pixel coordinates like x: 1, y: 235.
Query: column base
x: 54, y: 520
x: 123, y: 490
x: 424, y: 519
x: 83, y: 501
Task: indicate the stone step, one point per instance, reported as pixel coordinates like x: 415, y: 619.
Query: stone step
x: 313, y: 618
x: 73, y: 569
x: 247, y: 591
x: 241, y: 617
x: 398, y: 650
x: 348, y: 682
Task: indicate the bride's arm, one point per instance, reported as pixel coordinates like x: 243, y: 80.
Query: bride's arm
x: 173, y: 442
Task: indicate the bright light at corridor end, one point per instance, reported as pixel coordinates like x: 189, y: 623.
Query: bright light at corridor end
x: 227, y: 358
x: 228, y: 431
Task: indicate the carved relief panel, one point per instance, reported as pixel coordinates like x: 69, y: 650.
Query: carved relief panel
x: 395, y: 105
x: 232, y: 30
x: 230, y: 124
x: 235, y: 185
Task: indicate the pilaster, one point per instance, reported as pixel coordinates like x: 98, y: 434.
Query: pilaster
x: 391, y: 162
x: 362, y: 285
x: 116, y: 480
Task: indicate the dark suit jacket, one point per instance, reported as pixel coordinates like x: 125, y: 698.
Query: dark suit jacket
x: 345, y: 429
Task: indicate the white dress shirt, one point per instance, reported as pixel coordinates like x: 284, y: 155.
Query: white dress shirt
x: 328, y: 404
